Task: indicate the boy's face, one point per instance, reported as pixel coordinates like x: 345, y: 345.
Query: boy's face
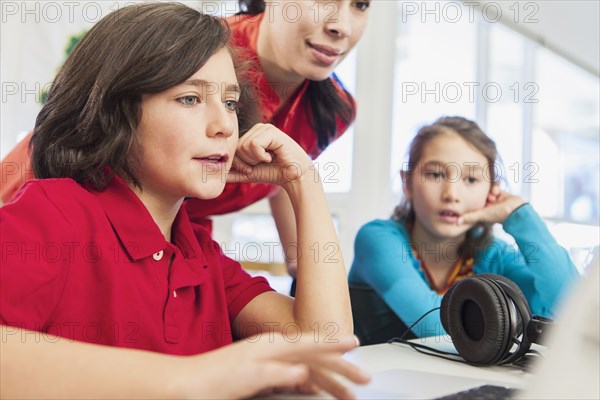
x: 450, y: 179
x: 188, y: 134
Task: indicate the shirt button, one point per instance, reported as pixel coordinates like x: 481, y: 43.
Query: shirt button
x: 158, y: 256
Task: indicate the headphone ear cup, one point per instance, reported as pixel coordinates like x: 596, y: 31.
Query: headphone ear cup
x: 478, y: 320
x: 517, y: 296
x: 444, y: 308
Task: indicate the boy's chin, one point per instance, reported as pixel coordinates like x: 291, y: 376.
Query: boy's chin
x: 211, y: 194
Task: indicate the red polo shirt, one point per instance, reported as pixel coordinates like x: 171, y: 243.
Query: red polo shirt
x: 93, y: 266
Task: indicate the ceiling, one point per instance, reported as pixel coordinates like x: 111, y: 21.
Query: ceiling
x: 569, y: 28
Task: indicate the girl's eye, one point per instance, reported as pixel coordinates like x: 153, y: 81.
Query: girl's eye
x: 231, y: 105
x: 472, y: 179
x: 434, y: 175
x: 362, y: 5
x: 189, y: 100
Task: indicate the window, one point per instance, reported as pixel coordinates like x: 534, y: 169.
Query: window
x: 566, y: 142
x: 435, y: 74
x: 335, y: 163
x: 504, y: 118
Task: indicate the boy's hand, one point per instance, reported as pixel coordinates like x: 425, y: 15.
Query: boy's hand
x: 272, y: 362
x: 267, y: 155
x: 499, y: 206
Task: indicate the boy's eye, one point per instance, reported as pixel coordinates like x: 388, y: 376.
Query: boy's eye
x: 362, y: 5
x: 231, y: 105
x: 189, y: 100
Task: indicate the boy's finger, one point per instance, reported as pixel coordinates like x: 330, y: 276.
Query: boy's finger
x: 331, y: 385
x: 241, y: 166
x: 280, y: 375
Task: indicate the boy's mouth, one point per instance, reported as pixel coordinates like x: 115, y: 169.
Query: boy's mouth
x: 214, y: 158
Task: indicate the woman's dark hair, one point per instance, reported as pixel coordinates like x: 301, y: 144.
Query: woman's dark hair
x: 323, y: 100
x: 252, y: 7
x: 480, y: 234
x: 94, y: 105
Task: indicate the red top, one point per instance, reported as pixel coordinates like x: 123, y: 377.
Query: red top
x: 93, y: 266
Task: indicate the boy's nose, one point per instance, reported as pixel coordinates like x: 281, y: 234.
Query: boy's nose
x: 221, y: 122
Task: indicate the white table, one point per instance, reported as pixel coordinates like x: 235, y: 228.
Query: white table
x: 386, y: 356
x: 400, y: 372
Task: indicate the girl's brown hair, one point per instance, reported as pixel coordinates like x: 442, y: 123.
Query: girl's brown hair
x: 480, y: 234
x: 94, y: 105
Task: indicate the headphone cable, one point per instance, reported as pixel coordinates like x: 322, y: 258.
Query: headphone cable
x: 421, y: 348
x: 413, y: 325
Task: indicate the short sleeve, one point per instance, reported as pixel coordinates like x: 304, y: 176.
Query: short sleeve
x: 35, y: 238
x: 240, y: 287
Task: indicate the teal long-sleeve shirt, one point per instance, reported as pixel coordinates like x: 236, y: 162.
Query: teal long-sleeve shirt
x: 383, y: 260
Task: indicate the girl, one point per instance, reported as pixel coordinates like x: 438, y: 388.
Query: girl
x: 441, y: 232
x: 100, y: 251
x: 293, y: 62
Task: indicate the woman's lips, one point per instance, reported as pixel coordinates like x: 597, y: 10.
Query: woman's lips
x: 324, y: 54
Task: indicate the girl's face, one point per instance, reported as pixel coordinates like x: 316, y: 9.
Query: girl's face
x: 188, y: 133
x: 309, y: 38
x: 450, y: 179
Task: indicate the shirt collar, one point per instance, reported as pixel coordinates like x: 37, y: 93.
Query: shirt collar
x: 133, y: 224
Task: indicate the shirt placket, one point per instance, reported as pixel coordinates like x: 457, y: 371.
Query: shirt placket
x: 170, y: 325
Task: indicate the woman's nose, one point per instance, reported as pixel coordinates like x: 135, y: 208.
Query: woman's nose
x: 338, y: 23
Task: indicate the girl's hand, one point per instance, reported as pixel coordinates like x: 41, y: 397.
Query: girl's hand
x: 267, y: 155
x: 499, y: 206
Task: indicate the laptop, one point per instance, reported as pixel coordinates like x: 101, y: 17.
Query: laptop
x: 409, y: 384
x: 569, y: 368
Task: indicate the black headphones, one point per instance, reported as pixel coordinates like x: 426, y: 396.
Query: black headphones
x: 486, y: 315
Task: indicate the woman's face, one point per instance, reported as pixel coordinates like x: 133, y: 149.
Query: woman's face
x: 309, y: 38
